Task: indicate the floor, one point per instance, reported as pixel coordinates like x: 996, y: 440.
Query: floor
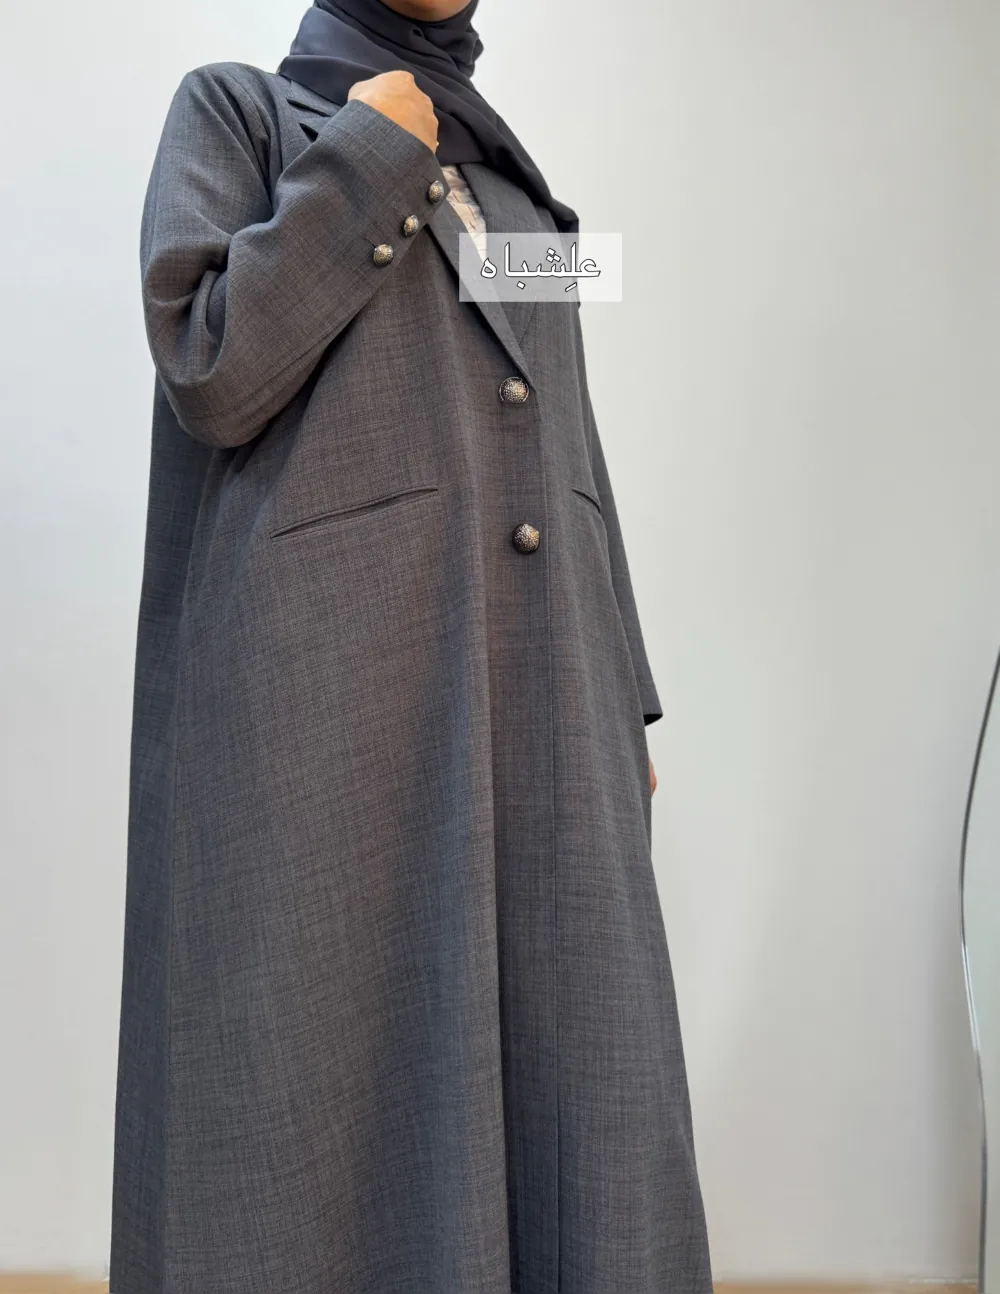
x: 38, y: 1284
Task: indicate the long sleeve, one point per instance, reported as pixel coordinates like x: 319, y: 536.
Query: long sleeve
x: 244, y: 285
x: 651, y: 708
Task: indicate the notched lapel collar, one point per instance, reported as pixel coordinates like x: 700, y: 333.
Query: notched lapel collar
x: 446, y: 226
x: 300, y: 96
x: 309, y: 109
x: 506, y: 209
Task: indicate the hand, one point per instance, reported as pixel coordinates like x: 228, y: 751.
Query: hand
x: 397, y: 96
x: 652, y: 778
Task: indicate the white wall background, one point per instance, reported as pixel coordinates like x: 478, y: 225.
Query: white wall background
x: 799, y: 404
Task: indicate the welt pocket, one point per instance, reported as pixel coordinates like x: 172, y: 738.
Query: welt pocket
x: 333, y: 516
x: 589, y: 497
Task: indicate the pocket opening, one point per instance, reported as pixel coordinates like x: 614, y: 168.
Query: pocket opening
x: 353, y: 510
x: 589, y: 498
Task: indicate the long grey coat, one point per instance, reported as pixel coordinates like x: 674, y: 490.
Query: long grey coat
x: 397, y: 1012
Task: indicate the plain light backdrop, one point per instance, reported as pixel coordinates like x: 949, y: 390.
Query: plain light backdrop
x: 798, y: 400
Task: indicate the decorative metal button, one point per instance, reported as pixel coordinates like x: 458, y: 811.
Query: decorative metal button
x: 382, y: 254
x: 435, y: 191
x: 514, y: 390
x: 526, y: 538
x: 410, y: 226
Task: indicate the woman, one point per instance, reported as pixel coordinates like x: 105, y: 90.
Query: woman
x: 397, y: 1009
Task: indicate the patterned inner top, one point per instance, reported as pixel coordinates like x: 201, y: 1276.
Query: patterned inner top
x: 463, y: 200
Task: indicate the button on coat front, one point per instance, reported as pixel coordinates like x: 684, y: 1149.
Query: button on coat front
x: 514, y: 390
x: 526, y: 537
x: 397, y: 1010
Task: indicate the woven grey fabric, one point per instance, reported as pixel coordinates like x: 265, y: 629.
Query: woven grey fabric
x: 397, y: 1010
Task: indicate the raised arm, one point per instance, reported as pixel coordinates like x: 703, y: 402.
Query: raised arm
x: 244, y: 288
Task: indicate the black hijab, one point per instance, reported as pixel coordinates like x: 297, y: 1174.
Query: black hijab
x: 343, y: 41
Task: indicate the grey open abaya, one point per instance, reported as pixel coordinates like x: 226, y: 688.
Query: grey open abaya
x: 397, y: 1008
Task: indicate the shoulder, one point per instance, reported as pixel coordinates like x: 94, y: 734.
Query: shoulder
x: 230, y: 88
x: 243, y: 77
x: 223, y: 116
